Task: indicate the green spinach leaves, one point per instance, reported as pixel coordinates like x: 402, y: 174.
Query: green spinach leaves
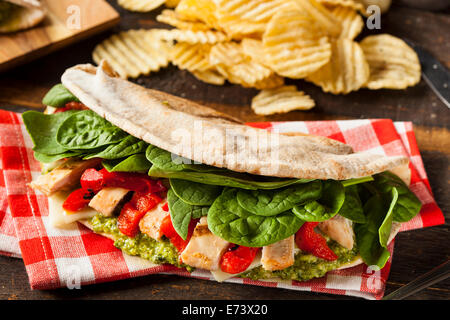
x: 58, y: 96
x: 86, y: 130
x: 228, y: 220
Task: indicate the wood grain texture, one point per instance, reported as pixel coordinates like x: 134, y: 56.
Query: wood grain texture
x: 59, y: 29
x: 416, y: 252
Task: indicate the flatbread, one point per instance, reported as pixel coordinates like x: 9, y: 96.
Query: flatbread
x: 204, y: 135
x: 29, y: 14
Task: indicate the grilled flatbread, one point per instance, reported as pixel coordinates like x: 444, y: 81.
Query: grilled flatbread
x: 171, y: 121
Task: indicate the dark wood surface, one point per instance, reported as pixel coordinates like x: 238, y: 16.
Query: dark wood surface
x: 416, y: 252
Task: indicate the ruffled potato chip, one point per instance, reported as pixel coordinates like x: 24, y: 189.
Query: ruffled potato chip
x: 170, y: 17
x: 352, y: 4
x: 352, y: 23
x: 191, y: 57
x: 172, y: 3
x: 323, y: 17
x: 133, y: 53
x: 235, y: 66
x: 241, y: 18
x: 211, y: 76
x: 198, y: 10
x: 294, y: 45
x: 281, y: 100
x: 347, y: 70
x: 393, y: 64
x: 193, y: 37
x: 140, y: 5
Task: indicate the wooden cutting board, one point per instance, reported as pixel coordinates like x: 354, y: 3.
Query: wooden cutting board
x: 67, y: 21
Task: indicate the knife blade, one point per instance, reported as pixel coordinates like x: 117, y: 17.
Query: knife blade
x: 434, y: 73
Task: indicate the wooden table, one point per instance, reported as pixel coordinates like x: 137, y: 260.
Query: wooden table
x: 416, y: 252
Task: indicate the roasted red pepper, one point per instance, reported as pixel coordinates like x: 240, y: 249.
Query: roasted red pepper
x: 96, y: 180
x: 310, y: 241
x: 133, y: 211
x: 237, y: 259
x: 72, y: 106
x: 92, y: 179
x: 169, y: 232
x: 77, y: 200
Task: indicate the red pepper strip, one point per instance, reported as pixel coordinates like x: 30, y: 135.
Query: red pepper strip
x: 132, y: 181
x: 133, y: 211
x: 91, y: 179
x: 165, y: 207
x: 168, y: 230
x: 77, y: 200
x: 237, y: 259
x: 310, y: 241
x: 96, y: 180
x: 72, y: 106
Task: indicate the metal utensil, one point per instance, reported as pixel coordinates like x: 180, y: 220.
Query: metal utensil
x: 434, y: 73
x: 439, y: 273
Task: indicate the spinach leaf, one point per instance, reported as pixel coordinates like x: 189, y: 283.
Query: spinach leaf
x: 135, y: 163
x: 86, y: 130
x: 224, y: 179
x: 352, y: 208
x: 385, y: 229
x: 313, y: 211
x: 272, y: 202
x: 351, y: 182
x: 127, y: 147
x: 58, y: 96
x: 43, y: 128
x: 162, y: 159
x: 181, y: 213
x: 167, y: 161
x: 46, y: 158
x: 408, y: 205
x: 194, y: 193
x: 329, y: 204
x: 368, y: 234
x: 228, y: 220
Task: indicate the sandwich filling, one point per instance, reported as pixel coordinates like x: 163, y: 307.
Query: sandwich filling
x: 168, y: 209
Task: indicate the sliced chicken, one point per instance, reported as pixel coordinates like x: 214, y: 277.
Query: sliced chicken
x: 64, y: 177
x: 150, y: 224
x: 339, y: 229
x: 278, y: 255
x: 205, y: 249
x: 109, y: 201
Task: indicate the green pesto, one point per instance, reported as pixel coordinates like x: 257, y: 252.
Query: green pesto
x: 158, y: 252
x: 307, y: 266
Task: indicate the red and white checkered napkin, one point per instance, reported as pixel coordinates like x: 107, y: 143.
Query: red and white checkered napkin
x: 56, y: 257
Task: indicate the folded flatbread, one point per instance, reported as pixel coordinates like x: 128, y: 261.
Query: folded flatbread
x: 16, y: 15
x: 227, y: 193
x: 157, y: 118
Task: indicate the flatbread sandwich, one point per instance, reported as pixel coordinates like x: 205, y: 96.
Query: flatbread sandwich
x: 16, y: 15
x: 178, y: 183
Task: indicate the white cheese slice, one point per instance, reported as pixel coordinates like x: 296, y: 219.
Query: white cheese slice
x: 59, y: 217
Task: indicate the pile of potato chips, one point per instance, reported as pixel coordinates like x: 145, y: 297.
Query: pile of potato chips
x: 259, y: 43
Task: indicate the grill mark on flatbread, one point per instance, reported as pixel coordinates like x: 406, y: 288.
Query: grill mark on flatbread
x: 142, y: 113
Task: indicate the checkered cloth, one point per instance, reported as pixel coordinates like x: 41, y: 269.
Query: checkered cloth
x: 63, y: 257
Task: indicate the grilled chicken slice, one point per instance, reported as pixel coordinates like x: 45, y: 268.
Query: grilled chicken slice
x: 205, y: 249
x: 109, y: 201
x: 150, y: 224
x: 64, y: 177
x: 339, y: 229
x: 278, y: 255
